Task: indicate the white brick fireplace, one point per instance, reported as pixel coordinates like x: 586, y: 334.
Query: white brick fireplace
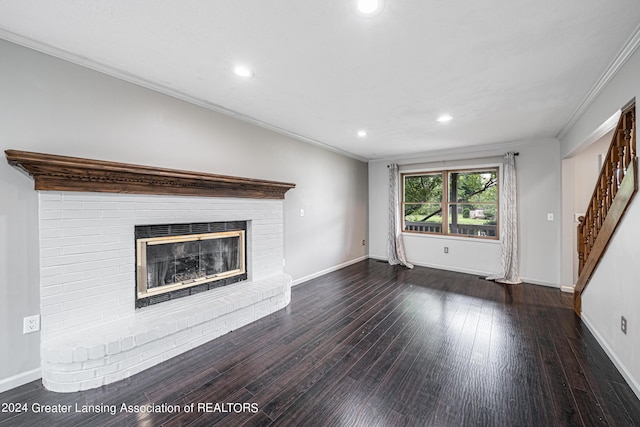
x: 92, y: 334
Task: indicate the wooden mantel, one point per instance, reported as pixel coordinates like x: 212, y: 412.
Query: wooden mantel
x: 62, y: 173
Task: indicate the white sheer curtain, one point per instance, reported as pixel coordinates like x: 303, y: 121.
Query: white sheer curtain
x: 509, y: 231
x: 395, y: 243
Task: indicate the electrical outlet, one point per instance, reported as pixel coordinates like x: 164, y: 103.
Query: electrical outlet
x: 623, y: 325
x: 446, y: 249
x: 31, y: 324
x: 363, y: 243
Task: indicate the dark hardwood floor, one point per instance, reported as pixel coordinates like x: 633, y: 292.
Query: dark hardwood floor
x: 376, y: 345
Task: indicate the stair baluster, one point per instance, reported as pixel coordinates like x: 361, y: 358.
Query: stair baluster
x: 613, y: 191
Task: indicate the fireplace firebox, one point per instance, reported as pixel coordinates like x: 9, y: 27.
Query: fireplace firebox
x: 177, y: 260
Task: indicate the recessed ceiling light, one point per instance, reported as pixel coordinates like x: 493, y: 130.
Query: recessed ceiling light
x: 369, y: 7
x: 243, y: 71
x: 444, y: 118
x: 362, y: 133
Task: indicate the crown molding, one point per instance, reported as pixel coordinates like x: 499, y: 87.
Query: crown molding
x: 606, y: 127
x: 468, y: 152
x: 165, y: 90
x: 621, y: 58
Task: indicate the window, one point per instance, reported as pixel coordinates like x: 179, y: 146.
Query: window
x: 469, y: 197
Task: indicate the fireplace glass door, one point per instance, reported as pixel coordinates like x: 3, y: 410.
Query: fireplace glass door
x: 167, y: 264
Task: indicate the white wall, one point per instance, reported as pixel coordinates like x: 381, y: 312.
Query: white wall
x: 614, y: 285
x: 538, y: 174
x: 580, y: 171
x: 574, y: 188
x: 51, y: 106
x: 614, y: 292
x: 586, y: 170
x: 568, y: 223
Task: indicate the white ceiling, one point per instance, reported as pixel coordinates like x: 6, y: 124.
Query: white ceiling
x: 506, y: 71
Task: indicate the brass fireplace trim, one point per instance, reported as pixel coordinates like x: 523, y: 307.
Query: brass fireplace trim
x: 141, y: 246
x: 61, y: 173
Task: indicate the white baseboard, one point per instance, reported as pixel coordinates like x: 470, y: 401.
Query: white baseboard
x: 633, y: 383
x: 540, y: 282
x: 328, y: 270
x: 436, y: 266
x: 568, y: 289
x: 20, y: 379
x: 449, y: 268
x: 469, y: 271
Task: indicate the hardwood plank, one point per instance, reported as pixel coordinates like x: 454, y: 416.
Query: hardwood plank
x: 367, y: 375
x: 374, y: 344
x: 586, y: 404
x: 330, y: 368
x: 625, y: 410
x: 564, y: 403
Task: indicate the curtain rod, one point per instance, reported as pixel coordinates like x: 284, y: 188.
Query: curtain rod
x: 486, y: 157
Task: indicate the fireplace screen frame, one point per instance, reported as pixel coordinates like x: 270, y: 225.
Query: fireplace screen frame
x: 178, y: 233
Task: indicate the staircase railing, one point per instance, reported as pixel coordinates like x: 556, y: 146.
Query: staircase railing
x: 616, y: 186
